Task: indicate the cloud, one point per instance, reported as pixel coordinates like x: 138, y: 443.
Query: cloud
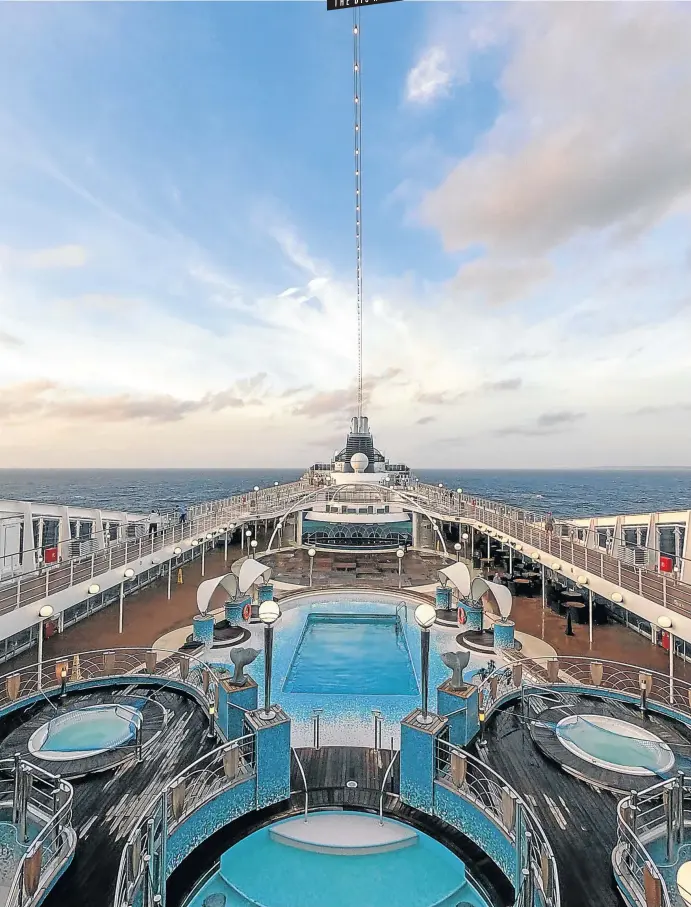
x: 425, y: 420
x: 40, y: 259
x: 546, y: 424
x: 495, y: 282
x: 430, y: 77
x: 568, y: 156
x: 328, y: 403
x: 48, y: 400
x: 10, y: 340
x: 506, y: 384
x: 438, y: 398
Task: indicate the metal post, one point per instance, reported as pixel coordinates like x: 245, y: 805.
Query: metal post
x: 316, y: 719
x: 170, y: 573
x: 268, y: 651
x: 489, y: 546
x: 510, y: 559
x: 122, y: 605
x: 163, y: 850
x: 203, y: 554
x: 590, y: 616
x: 671, y: 667
x: 400, y: 559
x: 17, y: 788
x: 424, y: 653
x: 26, y: 781
x: 40, y: 653
x: 668, y: 801
x: 225, y: 548
x: 138, y: 742
x: 544, y: 595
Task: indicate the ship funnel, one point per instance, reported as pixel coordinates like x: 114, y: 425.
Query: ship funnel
x: 353, y: 424
x: 364, y: 425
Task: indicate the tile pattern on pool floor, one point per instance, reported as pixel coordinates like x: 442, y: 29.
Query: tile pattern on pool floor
x: 346, y: 718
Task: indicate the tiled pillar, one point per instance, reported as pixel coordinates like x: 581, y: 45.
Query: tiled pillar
x: 443, y: 598
x: 265, y: 592
x: 272, y: 753
x: 418, y: 748
x: 504, y: 634
x: 230, y: 719
x: 461, y: 710
x: 474, y: 615
x: 203, y: 629
x: 234, y: 610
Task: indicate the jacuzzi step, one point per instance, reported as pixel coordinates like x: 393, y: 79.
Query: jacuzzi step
x: 343, y: 834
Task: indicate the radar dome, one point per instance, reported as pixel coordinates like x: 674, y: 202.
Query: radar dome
x: 359, y: 462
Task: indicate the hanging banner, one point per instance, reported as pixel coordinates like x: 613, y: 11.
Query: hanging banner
x: 351, y: 4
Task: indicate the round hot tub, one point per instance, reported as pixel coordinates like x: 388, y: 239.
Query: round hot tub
x: 615, y: 745
x: 85, y: 732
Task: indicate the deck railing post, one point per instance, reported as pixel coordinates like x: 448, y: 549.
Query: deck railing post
x: 93, y: 560
x: 619, y: 571
x: 71, y: 571
x: 668, y: 798
x: 19, y: 590
x: 680, y: 807
x: 47, y: 582
x: 602, y: 564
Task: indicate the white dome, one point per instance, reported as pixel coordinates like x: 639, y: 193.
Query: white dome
x: 359, y: 462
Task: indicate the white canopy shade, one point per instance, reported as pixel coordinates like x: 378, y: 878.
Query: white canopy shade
x: 206, y: 589
x: 250, y: 572
x: 459, y: 577
x: 501, y: 595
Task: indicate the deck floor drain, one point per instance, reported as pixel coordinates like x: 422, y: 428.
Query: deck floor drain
x: 351, y: 784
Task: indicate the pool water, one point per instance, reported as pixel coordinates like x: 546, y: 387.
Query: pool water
x: 614, y: 744
x: 85, y: 732
x: 261, y: 870
x: 352, y: 653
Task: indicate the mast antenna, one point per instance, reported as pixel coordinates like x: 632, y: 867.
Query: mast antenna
x: 357, y: 105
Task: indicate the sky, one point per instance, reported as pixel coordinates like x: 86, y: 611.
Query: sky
x: 177, y: 236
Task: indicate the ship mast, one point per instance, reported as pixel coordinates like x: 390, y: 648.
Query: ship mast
x: 357, y: 109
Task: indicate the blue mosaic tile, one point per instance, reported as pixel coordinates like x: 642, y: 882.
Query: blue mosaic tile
x: 464, y: 724
x: 504, y: 635
x: 273, y: 763
x: 417, y: 768
x: 203, y: 629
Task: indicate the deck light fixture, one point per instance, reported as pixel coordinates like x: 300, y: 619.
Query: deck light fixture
x: 582, y: 580
x: 666, y: 624
x: 211, y: 733
x: 177, y: 551
x: 44, y: 613
x: 425, y: 616
x: 482, y: 718
x: 556, y: 566
x: 269, y: 612
x: 617, y: 597
x: 400, y: 554
x: 663, y: 621
x: 457, y: 549
x: 94, y: 589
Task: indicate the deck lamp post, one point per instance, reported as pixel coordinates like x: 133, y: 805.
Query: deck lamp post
x: 128, y: 574
x: 399, y: 554
x: 457, y: 549
x: 256, y: 499
x: 225, y: 553
x: 425, y: 616
x: 666, y: 624
x: 465, y: 544
x: 269, y: 612
x: 204, y: 542
x: 44, y: 614
x: 311, y: 553
x: 279, y: 526
x: 176, y: 553
x: 254, y: 544
x: 211, y: 733
x: 248, y: 536
x: 482, y: 718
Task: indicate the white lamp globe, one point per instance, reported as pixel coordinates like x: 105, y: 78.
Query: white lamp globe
x: 45, y: 612
x: 269, y: 612
x: 254, y: 543
x: 177, y: 551
x: 311, y: 552
x: 129, y: 573
x: 465, y: 536
x: 248, y: 533
x: 425, y: 616
x: 457, y: 546
x: 256, y: 487
x: 663, y: 621
x: 400, y: 553
x: 94, y: 589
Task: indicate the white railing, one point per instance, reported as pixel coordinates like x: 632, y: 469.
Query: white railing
x: 480, y: 785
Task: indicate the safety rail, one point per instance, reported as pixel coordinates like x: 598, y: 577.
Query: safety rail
x: 474, y: 781
x: 31, y: 681
x: 202, y: 526
x: 660, y: 811
x: 644, y: 579
x: 143, y: 859
x: 583, y: 671
x: 46, y: 800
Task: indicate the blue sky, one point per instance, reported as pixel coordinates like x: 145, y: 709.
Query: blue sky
x: 177, y: 233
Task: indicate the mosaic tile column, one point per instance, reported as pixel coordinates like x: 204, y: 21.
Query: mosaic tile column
x: 233, y: 610
x: 203, y: 629
x: 504, y: 634
x: 265, y: 593
x: 418, y: 746
x: 474, y: 617
x: 272, y: 753
x: 230, y: 719
x: 461, y: 709
x: 443, y: 597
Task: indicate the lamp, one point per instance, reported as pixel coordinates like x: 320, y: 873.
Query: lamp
x: 94, y: 589
x: 662, y: 621
x: 211, y: 733
x: 618, y: 597
x: 556, y: 566
x: 400, y: 554
x: 425, y: 616
x: 177, y: 551
x: 582, y: 580
x: 269, y: 612
x: 256, y: 488
x: 45, y: 612
x: 459, y: 491
x: 254, y: 544
x: 311, y: 552
x: 63, y: 681
x: 481, y: 718
x: 275, y: 484
x: 457, y: 549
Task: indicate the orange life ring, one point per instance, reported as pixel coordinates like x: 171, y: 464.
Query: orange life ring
x: 247, y: 612
x: 462, y: 617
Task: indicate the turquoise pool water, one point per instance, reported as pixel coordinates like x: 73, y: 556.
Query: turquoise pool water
x: 259, y: 870
x: 614, y: 744
x: 85, y: 731
x: 358, y: 653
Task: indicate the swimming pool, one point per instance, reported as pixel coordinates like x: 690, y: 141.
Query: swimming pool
x: 615, y: 745
x: 339, y: 859
x: 85, y: 732
x: 362, y: 658
x: 352, y: 653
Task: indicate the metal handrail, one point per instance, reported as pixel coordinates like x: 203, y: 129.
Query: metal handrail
x: 383, y: 786
x: 304, y: 780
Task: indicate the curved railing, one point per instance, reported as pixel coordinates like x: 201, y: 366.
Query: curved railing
x: 592, y: 673
x: 486, y: 790
x: 33, y: 681
x: 645, y: 816
x: 48, y: 798
x: 144, y: 856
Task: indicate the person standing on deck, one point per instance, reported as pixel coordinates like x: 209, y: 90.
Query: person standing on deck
x: 183, y: 514
x: 154, y: 518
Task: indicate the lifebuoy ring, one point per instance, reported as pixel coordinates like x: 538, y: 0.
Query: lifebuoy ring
x: 462, y: 617
x: 247, y: 612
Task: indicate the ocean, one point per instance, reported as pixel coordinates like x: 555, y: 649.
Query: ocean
x: 564, y: 492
